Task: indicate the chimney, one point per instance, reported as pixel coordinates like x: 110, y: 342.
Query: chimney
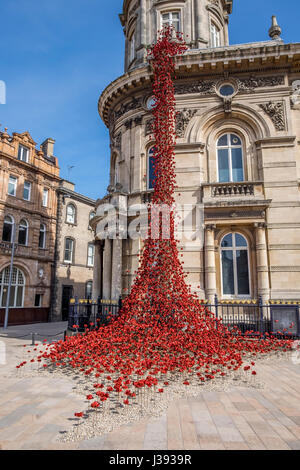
x: 48, y: 147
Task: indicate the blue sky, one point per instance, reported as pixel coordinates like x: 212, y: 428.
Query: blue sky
x: 57, y: 56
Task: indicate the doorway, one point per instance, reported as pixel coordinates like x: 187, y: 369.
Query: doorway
x: 67, y: 294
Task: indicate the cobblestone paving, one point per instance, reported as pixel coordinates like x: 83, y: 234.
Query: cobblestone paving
x: 34, y: 411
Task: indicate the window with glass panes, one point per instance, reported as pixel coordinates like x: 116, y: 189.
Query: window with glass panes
x: 230, y: 159
x: 91, y: 254
x: 69, y: 250
x: 17, y: 287
x: 23, y: 153
x: 42, y: 237
x: 45, y: 197
x: 71, y: 212
x: 23, y: 232
x: 132, y: 48
x: 151, y: 169
x: 171, y: 18
x: 215, y: 35
x: 235, y: 266
x: 27, y: 191
x: 12, y: 186
x: 7, y: 232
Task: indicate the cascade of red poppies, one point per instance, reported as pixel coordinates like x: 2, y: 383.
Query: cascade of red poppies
x: 160, y: 292
x: 163, y: 333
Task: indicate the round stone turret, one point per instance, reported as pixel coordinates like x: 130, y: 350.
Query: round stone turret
x: 204, y: 24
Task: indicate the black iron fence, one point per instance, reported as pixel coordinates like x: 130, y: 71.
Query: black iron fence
x: 254, y: 317
x: 249, y: 316
x: 88, y: 313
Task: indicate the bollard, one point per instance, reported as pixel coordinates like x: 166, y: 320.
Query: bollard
x: 32, y: 339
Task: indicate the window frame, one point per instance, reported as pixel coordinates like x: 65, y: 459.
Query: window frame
x: 29, y: 190
x: 26, y: 225
x: 15, y: 285
x: 229, y: 148
x: 234, y: 249
x: 14, y: 185
x: 44, y: 231
x: 170, y: 20
x: 91, y: 244
x: 215, y: 33
x: 45, y: 194
x: 21, y: 150
x: 74, y: 213
x: 148, y: 168
x: 132, y: 45
x: 12, y: 228
x: 72, y: 251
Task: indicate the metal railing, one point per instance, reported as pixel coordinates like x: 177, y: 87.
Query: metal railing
x: 88, y: 313
x: 251, y: 317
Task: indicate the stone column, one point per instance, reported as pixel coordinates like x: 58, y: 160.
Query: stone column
x: 97, y: 274
x: 210, y: 263
x: 107, y: 262
x: 116, y: 283
x: 263, y: 284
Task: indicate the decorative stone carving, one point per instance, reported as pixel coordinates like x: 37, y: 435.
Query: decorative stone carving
x: 182, y: 120
x: 135, y: 103
x: 276, y: 113
x: 148, y: 127
x: 116, y: 141
x: 205, y: 88
x: 295, y: 98
x: 249, y: 84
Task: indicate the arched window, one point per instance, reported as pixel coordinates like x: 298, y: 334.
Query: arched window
x: 17, y: 287
x: 71, y: 214
x: 42, y: 237
x: 151, y: 169
x: 23, y: 232
x: 7, y: 233
x: 235, y: 265
x: 230, y: 159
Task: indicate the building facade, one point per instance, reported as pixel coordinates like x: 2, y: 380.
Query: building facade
x: 28, y: 202
x: 237, y: 152
x: 75, y: 249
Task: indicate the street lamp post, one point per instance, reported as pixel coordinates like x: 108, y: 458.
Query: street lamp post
x: 10, y: 275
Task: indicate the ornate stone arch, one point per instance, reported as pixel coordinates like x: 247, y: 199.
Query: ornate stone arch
x: 244, y: 122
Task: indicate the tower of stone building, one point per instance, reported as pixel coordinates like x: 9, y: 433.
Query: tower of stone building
x: 236, y: 154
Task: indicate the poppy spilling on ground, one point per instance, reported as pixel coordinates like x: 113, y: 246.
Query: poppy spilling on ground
x: 163, y: 332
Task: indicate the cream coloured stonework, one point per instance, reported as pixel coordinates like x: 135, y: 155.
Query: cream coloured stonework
x: 265, y: 207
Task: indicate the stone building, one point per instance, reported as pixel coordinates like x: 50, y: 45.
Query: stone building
x: 237, y: 152
x: 28, y: 202
x: 74, y: 255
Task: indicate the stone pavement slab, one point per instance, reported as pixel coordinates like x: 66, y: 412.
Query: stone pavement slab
x: 35, y: 411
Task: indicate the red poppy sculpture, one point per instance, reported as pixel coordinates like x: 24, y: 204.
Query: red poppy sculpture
x: 163, y: 333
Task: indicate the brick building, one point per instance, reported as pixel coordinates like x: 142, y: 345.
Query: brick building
x: 28, y: 203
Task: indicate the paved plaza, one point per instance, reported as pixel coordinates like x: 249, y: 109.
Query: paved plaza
x: 35, y: 410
